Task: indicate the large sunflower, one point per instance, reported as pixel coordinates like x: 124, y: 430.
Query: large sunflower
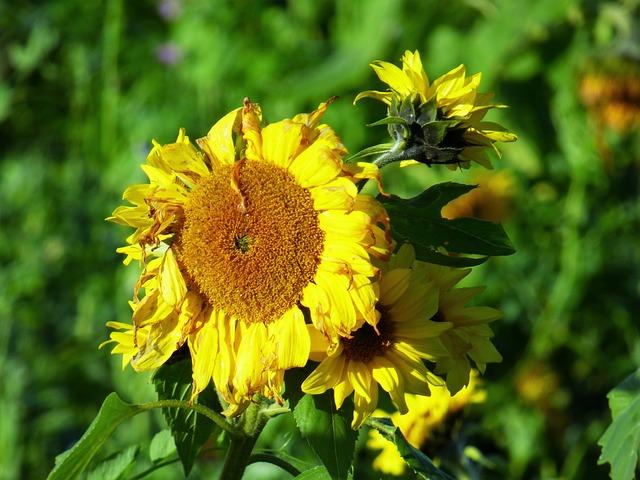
x: 390, y: 353
x: 441, y: 122
x: 238, y: 238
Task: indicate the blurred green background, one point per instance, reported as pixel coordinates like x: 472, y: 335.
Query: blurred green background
x: 84, y: 87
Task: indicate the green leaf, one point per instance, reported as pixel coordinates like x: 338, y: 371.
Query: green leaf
x: 434, y: 132
x: 621, y: 441
x: 315, y: 473
x: 162, y: 445
x: 190, y: 430
x: 426, y: 254
x: 437, y: 196
x: 419, y: 221
x: 328, y: 431
x: 428, y: 111
x: 115, y: 467
x: 371, y: 151
x: 389, y: 121
x: 112, y: 413
x: 418, y: 461
x: 293, y: 379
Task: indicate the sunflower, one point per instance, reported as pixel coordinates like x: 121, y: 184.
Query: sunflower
x: 423, y: 424
x: 237, y: 238
x: 439, y: 122
x: 470, y: 335
x: 390, y: 353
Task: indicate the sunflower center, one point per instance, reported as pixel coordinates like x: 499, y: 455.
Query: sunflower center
x: 251, y: 240
x: 366, y: 343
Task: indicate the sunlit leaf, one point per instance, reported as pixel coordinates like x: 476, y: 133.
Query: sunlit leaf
x: 162, y: 445
x: 316, y: 473
x: 115, y: 467
x: 621, y: 441
x: 328, y: 431
x: 112, y: 413
x: 417, y: 460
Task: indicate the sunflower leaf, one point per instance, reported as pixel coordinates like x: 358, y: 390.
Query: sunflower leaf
x: 621, y: 441
x: 328, y: 431
x: 116, y: 466
x: 419, y: 221
x: 112, y: 413
x: 190, y: 430
x: 437, y: 196
x: 418, y: 461
x: 315, y: 473
x: 371, y: 151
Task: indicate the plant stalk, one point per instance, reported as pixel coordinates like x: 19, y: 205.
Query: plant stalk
x: 251, y: 423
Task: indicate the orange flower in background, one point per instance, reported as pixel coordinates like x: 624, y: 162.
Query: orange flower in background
x: 491, y: 200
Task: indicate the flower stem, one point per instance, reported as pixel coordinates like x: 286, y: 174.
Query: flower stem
x: 251, y: 423
x: 215, y: 417
x: 275, y: 460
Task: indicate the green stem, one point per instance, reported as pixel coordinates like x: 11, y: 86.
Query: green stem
x: 216, y: 418
x: 274, y: 460
x: 251, y: 423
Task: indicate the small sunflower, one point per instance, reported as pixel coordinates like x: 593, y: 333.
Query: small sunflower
x: 424, y: 422
x: 236, y: 239
x: 439, y: 122
x: 470, y: 336
x: 390, y: 353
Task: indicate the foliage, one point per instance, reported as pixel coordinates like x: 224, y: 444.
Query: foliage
x: 621, y: 440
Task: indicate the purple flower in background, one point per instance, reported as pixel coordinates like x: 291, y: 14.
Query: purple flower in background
x: 169, y: 9
x: 169, y: 53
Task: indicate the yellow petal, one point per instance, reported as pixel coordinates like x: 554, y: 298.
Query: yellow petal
x: 319, y: 344
x: 316, y: 165
x: 360, y: 377
x: 184, y: 158
x: 325, y: 376
x: 247, y: 378
x: 165, y: 337
x: 342, y: 256
x: 382, y: 96
x: 394, y: 77
x: 203, y: 346
x: 151, y: 309
x: 317, y: 301
x: 393, y: 285
x: 341, y: 310
x: 172, y: 284
x: 364, y: 407
x: 293, y: 340
x: 387, y: 375
x: 281, y: 142
x: 338, y: 194
x: 219, y: 145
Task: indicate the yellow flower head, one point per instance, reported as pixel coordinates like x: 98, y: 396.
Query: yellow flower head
x: 470, y: 336
x: 439, y: 122
x: 237, y: 238
x: 426, y: 416
x: 390, y: 353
